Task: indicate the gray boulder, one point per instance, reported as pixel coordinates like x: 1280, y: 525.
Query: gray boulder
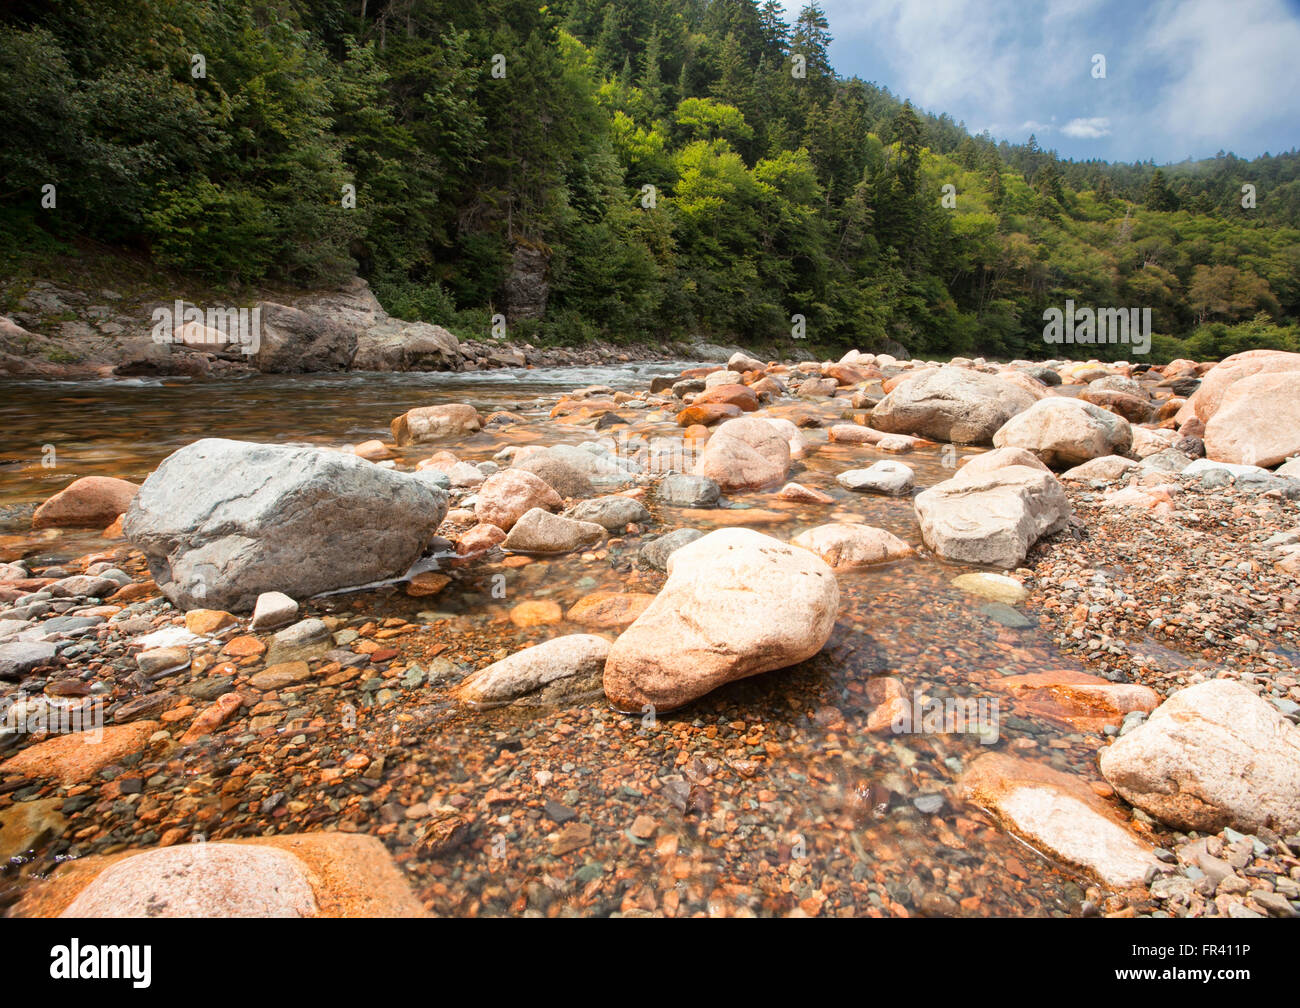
x: 612, y: 513
x: 688, y: 490
x: 951, y: 404
x: 293, y: 341
x: 656, y: 552
x: 220, y: 522
x: 539, y: 531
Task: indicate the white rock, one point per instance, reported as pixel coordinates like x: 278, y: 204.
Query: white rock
x: 1210, y: 756
x: 1066, y: 432
x: 273, y: 609
x: 887, y: 477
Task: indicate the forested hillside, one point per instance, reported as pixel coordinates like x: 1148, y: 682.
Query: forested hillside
x: 647, y: 170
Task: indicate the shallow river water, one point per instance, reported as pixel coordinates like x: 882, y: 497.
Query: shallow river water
x: 872, y: 818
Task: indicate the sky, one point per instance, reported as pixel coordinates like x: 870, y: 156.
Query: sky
x: 1182, y: 78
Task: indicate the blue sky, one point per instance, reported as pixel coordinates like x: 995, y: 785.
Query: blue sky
x: 1184, y: 78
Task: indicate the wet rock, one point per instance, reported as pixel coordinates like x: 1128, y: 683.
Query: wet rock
x: 613, y: 513
x: 560, y: 475
x: 1210, y: 756
x: 806, y: 495
x: 1066, y: 432
x: 845, y: 546
x: 213, y: 717
x: 27, y: 825
x: 536, y: 612
x: 950, y: 404
x: 160, y: 660
x: 686, y: 490
x: 21, y: 657
x: 561, y: 670
x: 996, y: 587
x: 740, y: 396
x: 1060, y: 815
x: 432, y: 423
x: 68, y: 759
x: 427, y: 583
x: 88, y: 502
x: 304, y: 875
x: 506, y: 496
x: 609, y: 609
x: 282, y: 675
x: 1082, y: 701
x: 304, y: 639
x: 656, y: 552
x: 708, y: 414
x: 892, y: 478
x: 480, y: 539
x: 745, y: 454
x: 220, y: 522
x: 736, y: 603
x: 539, y: 531
x: 1007, y: 616
x: 204, y: 622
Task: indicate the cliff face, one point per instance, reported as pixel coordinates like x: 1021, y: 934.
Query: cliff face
x: 527, y: 286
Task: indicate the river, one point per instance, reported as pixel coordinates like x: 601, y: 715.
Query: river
x: 874, y: 819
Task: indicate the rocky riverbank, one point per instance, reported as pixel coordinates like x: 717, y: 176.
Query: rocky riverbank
x: 63, y: 332
x: 835, y: 638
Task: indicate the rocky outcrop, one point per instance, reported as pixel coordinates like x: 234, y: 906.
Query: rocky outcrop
x: 527, y: 286
x: 294, y: 341
x: 89, y: 502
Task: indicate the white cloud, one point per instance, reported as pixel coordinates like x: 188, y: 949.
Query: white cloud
x: 1183, y: 77
x: 1232, y: 69
x: 1087, y: 129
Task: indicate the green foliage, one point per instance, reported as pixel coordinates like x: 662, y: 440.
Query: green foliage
x: 680, y: 167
